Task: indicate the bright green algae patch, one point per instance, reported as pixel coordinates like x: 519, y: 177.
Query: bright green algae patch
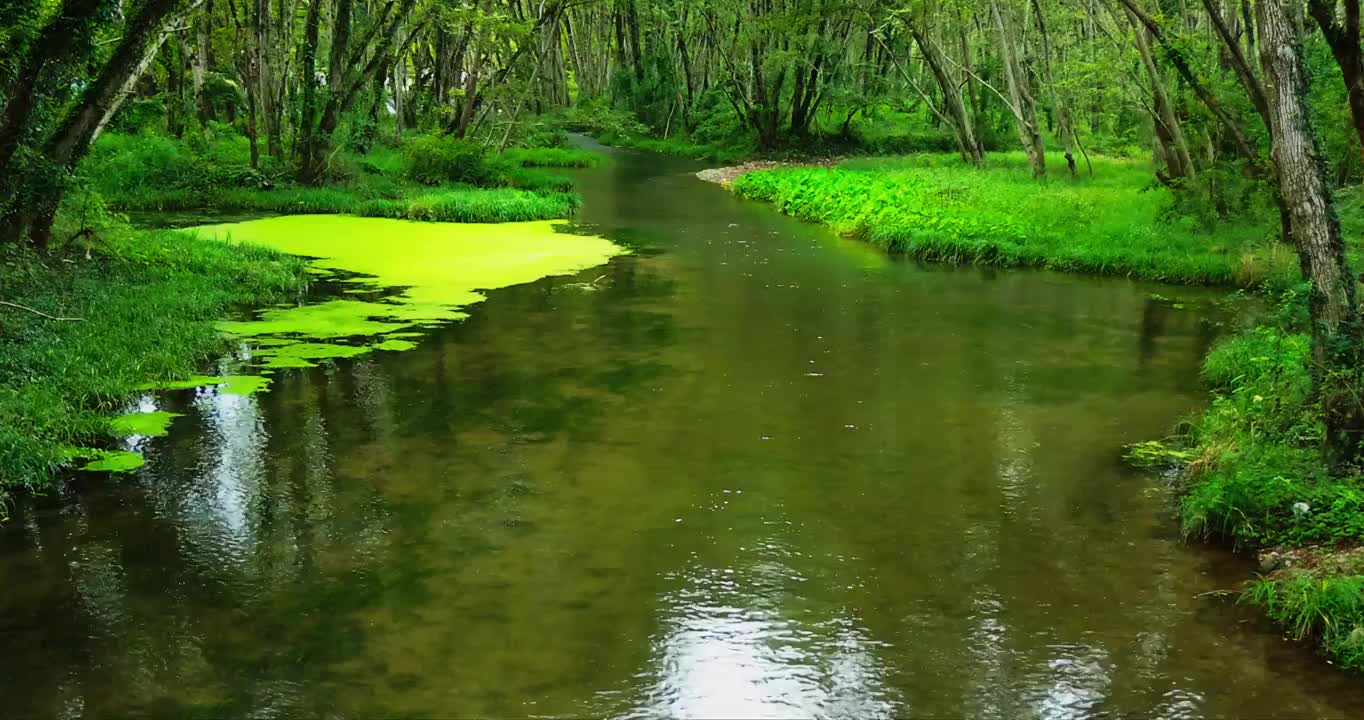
x: 436, y: 269
x: 105, y: 460
x: 229, y: 384
x: 142, y: 423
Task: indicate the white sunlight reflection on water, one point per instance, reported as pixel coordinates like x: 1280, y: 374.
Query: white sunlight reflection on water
x: 746, y: 644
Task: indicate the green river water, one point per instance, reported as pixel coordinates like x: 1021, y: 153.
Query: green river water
x: 750, y: 469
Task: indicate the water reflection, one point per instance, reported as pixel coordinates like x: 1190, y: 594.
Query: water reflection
x: 745, y: 644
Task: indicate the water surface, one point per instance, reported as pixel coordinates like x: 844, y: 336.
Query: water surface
x: 750, y: 470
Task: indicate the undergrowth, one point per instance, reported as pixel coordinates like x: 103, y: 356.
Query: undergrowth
x: 430, y: 178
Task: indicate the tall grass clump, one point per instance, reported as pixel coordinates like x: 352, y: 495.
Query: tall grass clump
x: 473, y: 205
x: 1308, y: 605
x: 441, y: 159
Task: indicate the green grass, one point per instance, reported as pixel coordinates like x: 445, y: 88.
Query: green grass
x: 147, y: 313
x: 446, y: 204
x: 1329, y: 608
x: 552, y: 157
x: 1116, y: 223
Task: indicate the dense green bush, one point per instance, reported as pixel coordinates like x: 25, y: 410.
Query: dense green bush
x: 441, y: 159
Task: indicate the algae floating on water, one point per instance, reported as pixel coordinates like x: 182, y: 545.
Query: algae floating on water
x: 148, y: 424
x: 437, y: 270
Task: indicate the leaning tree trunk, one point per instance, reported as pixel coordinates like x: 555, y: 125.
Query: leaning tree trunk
x: 1336, y: 326
x: 1021, y: 101
x: 58, y: 38
x: 955, y: 106
x: 143, y: 33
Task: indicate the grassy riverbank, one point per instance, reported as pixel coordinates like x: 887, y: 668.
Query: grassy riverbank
x: 1251, y: 474
x: 1119, y: 222
x: 1250, y: 468
x: 146, y: 303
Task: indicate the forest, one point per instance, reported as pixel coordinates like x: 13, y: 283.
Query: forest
x: 1208, y: 142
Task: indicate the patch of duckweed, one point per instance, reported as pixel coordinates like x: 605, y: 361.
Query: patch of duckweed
x: 117, y: 461
x: 437, y: 270
x: 244, y: 384
x: 188, y: 383
x: 150, y: 424
x: 440, y: 264
x: 395, y: 344
x: 336, y: 319
x: 303, y: 354
x: 104, y: 460
x: 229, y: 384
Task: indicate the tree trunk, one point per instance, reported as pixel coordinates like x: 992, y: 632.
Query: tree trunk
x: 1178, y: 160
x: 202, y: 107
x: 265, y: 83
x: 1064, y: 126
x: 307, y: 124
x: 953, y: 103
x: 71, y: 24
x: 1336, y: 327
x: 1020, y: 97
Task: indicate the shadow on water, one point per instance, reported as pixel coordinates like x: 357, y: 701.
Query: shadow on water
x: 753, y: 470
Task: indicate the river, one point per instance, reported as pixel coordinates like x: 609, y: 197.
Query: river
x: 751, y: 469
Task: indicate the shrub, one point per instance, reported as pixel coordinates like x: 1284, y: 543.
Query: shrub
x: 441, y: 159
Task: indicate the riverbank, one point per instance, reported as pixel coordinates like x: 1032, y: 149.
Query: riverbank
x: 1118, y: 222
x: 1251, y: 474
x: 142, y: 306
x: 1249, y: 468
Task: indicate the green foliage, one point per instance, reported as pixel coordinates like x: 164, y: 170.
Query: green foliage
x: 935, y: 207
x: 598, y: 117
x: 147, y: 311
x: 1258, y: 444
x: 157, y: 173
x: 441, y: 159
x: 681, y: 146
x: 1330, y: 608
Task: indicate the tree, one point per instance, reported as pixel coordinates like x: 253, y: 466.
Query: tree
x: 1336, y: 327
